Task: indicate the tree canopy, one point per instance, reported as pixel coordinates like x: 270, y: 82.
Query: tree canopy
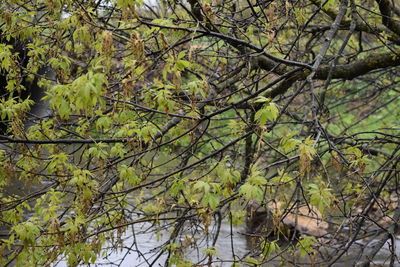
x: 191, y: 114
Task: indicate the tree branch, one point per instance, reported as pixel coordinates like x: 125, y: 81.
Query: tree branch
x: 386, y: 10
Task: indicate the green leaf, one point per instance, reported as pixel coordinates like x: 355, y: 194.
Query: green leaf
x: 262, y: 99
x: 320, y: 196
x: 27, y: 232
x: 252, y: 261
x: 119, y: 150
x: 251, y: 192
x: 269, y: 247
x: 129, y: 175
x: 212, y: 200
x: 269, y: 112
x: 305, y: 245
x: 200, y: 185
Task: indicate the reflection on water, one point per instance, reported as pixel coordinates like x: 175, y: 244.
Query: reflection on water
x: 142, y: 248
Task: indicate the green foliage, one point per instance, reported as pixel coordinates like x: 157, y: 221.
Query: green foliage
x: 305, y: 245
x: 306, y: 152
x: 238, y: 217
x: 128, y: 174
x: 268, y: 248
x: 179, y: 118
x: 320, y: 196
x: 27, y: 232
x: 82, y: 95
x: 118, y: 150
x: 288, y: 143
x: 252, y: 189
x: 269, y: 112
x: 250, y: 261
x: 13, y: 109
x: 211, y: 193
x: 6, y: 57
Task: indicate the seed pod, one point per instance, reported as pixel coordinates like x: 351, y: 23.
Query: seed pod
x: 137, y: 45
x: 107, y: 43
